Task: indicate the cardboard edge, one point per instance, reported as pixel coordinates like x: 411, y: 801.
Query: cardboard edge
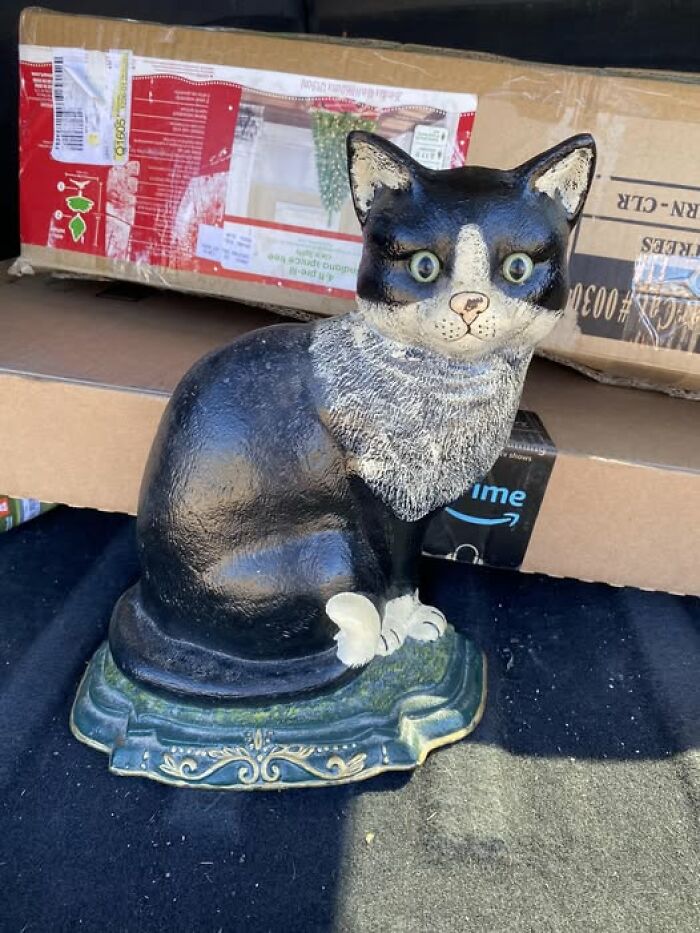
x: 28, y: 14
x: 621, y: 373
x: 569, y: 515
x: 302, y: 306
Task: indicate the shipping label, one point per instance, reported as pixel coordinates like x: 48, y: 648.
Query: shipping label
x: 91, y: 94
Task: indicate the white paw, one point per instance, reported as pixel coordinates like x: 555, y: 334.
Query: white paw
x: 407, y: 617
x: 427, y: 623
x: 359, y: 627
x: 395, y: 623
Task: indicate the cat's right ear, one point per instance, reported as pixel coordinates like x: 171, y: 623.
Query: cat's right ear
x: 373, y: 164
x: 563, y: 173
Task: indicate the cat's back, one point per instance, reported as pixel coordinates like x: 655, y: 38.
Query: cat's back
x: 230, y: 395
x: 239, y: 424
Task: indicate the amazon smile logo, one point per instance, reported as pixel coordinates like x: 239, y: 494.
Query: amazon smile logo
x: 492, y: 521
x: 496, y: 495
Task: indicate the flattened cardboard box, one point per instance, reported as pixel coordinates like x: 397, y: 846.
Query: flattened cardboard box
x: 213, y: 161
x: 598, y: 483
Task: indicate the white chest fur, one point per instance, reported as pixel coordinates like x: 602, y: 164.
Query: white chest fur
x: 416, y: 426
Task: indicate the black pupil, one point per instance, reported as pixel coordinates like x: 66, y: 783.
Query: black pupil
x: 425, y: 267
x: 517, y: 268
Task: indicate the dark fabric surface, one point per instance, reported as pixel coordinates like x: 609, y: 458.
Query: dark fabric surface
x: 573, y: 807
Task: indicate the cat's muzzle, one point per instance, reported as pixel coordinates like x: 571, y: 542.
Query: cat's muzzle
x: 469, y: 305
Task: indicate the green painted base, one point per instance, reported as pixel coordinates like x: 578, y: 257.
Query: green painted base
x: 388, y: 718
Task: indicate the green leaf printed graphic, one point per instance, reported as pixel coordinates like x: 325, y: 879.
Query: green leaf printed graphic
x: 80, y: 204
x: 77, y: 227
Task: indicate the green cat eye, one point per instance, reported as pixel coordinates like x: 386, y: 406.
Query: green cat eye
x: 424, y: 266
x: 517, y: 268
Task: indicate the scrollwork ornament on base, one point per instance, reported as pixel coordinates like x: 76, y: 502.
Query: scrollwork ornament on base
x: 260, y: 764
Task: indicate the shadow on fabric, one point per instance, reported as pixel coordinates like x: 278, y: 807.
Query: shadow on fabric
x: 578, y: 669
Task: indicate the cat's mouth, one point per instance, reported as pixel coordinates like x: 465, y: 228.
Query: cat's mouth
x: 452, y: 330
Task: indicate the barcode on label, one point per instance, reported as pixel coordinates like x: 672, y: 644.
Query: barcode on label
x: 70, y: 129
x: 428, y: 146
x: 69, y: 123
x: 58, y: 79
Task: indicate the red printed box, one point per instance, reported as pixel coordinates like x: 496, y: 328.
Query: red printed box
x: 186, y: 173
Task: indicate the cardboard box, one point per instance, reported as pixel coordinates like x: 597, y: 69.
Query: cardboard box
x: 612, y: 496
x: 217, y: 167
x: 85, y: 372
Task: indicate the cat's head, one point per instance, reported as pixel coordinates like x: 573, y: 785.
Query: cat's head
x: 465, y: 261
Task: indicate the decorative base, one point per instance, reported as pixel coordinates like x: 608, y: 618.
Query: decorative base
x: 388, y: 718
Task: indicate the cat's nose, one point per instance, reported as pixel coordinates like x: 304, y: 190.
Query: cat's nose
x: 469, y: 305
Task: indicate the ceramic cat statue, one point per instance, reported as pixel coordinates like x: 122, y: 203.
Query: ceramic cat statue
x: 277, y: 635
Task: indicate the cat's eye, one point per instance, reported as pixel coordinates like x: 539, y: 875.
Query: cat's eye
x: 517, y: 268
x: 424, y: 266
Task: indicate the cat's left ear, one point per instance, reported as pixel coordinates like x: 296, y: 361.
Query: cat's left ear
x: 564, y: 173
x: 375, y: 163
